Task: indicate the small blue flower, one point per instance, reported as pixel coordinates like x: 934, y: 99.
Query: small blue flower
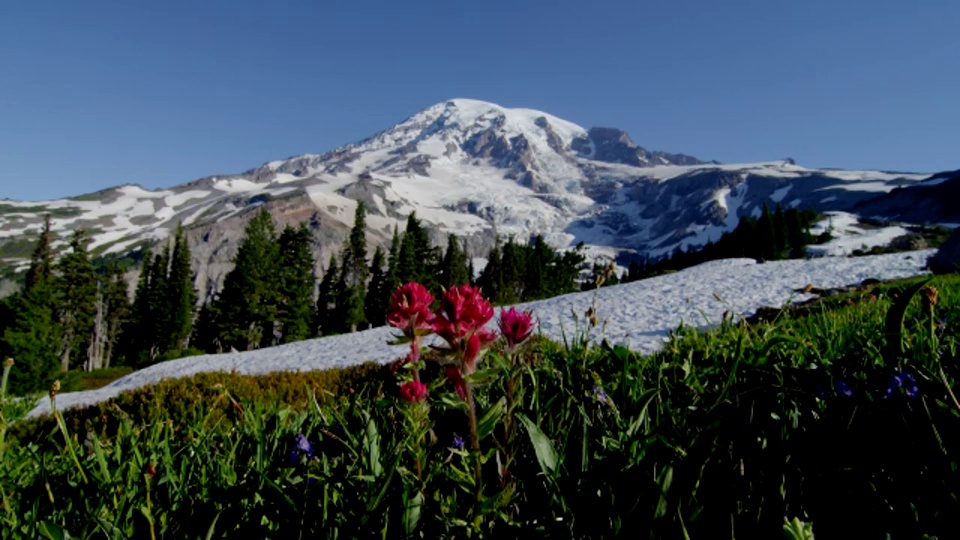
x: 906, y: 382
x: 458, y: 442
x: 843, y: 389
x: 894, y: 383
x: 301, y: 448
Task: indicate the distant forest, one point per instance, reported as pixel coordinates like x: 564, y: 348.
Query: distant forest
x: 73, y: 315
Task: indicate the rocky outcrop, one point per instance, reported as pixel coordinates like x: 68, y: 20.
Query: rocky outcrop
x: 947, y: 258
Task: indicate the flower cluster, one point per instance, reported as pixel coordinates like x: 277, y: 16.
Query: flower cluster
x: 461, y: 321
x: 902, y: 381
x: 413, y: 391
x: 410, y: 312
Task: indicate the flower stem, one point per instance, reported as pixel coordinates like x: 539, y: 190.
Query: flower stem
x: 475, y: 446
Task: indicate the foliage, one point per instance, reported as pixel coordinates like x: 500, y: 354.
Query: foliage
x: 812, y: 421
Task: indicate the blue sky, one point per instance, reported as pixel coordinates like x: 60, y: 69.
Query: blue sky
x: 96, y: 94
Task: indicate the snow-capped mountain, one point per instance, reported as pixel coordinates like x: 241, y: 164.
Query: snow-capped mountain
x: 467, y: 167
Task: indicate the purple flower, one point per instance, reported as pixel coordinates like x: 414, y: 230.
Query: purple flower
x: 842, y: 389
x: 301, y: 448
x: 458, y: 442
x: 905, y: 381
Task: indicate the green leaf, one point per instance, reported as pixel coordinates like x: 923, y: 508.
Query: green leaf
x: 411, y: 515
x: 546, y: 454
x: 490, y: 419
x: 213, y: 526
x: 893, y: 323
x: 483, y: 376
x: 53, y: 531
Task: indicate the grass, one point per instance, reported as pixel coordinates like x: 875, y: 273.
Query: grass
x: 835, y: 417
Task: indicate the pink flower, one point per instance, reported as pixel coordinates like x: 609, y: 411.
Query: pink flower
x: 515, y: 326
x: 410, y: 309
x: 463, y: 311
x: 413, y: 391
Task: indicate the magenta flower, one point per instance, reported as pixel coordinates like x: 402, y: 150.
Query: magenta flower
x: 413, y: 391
x: 515, y: 327
x: 410, y: 309
x: 460, y: 322
x: 456, y: 379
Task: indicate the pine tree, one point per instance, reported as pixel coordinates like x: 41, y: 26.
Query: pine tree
x: 537, y: 273
x: 180, y: 295
x: 77, y: 284
x: 32, y: 335
x: 491, y: 277
x: 392, y: 280
x: 41, y: 262
x: 354, y: 256
x: 296, y: 283
x: 118, y: 310
x: 327, y: 299
x: 779, y: 233
x: 418, y: 260
x: 766, y: 243
x: 373, y: 305
x: 453, y: 267
x: 247, y: 305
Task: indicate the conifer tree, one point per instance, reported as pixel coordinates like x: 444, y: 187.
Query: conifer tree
x: 536, y: 276
x: 118, y: 310
x: 779, y: 233
x: 491, y: 277
x: 417, y: 259
x: 327, y: 299
x: 392, y: 280
x: 41, y: 261
x: 246, y: 307
x: 296, y: 283
x: 453, y: 267
x: 373, y: 306
x: 32, y: 335
x: 353, y: 274
x: 180, y: 295
x: 766, y: 243
x: 77, y: 284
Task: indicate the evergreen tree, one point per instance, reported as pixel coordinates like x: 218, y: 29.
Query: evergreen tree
x: 247, y: 306
x: 513, y: 272
x: 418, y: 260
x: 796, y: 239
x: 118, y: 310
x: 327, y: 299
x: 374, y: 307
x: 355, y: 270
x: 32, y: 335
x: 77, y: 285
x: 296, y: 283
x: 537, y: 275
x: 491, y: 277
x: 453, y: 267
x: 41, y: 261
x: 766, y: 243
x: 180, y: 302
x: 779, y: 233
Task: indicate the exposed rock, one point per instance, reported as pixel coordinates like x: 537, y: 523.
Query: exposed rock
x: 947, y: 258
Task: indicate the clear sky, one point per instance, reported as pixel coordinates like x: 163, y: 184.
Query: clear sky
x: 96, y: 94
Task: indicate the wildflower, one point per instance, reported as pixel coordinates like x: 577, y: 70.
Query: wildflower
x: 458, y: 442
x: 410, y: 308
x: 929, y: 298
x: 843, y: 389
x: 8, y: 362
x: 460, y: 322
x: 515, y: 327
x: 55, y: 388
x: 301, y: 447
x: 598, y: 395
x: 902, y: 380
x: 413, y: 391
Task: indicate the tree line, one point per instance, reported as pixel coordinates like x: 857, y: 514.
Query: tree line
x: 73, y: 315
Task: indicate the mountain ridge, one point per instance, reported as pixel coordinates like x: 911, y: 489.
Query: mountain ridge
x: 468, y: 167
